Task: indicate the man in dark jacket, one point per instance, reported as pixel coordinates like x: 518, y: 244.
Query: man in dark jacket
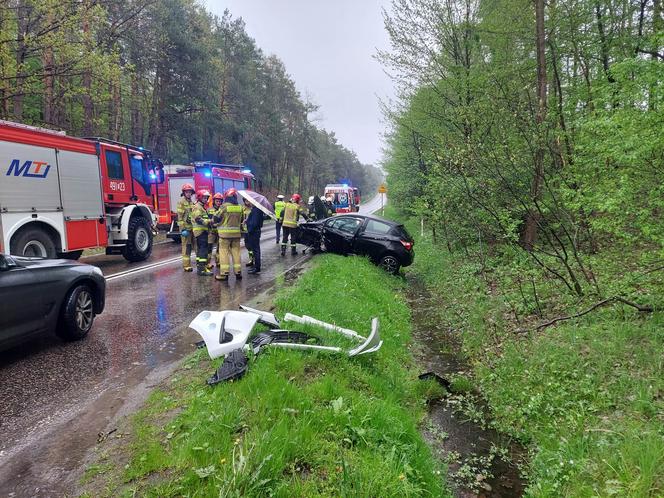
x: 253, y: 238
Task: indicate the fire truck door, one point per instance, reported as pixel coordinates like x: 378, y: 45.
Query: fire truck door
x: 117, y: 177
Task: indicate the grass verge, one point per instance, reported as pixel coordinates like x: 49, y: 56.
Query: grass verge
x: 587, y: 396
x: 299, y: 423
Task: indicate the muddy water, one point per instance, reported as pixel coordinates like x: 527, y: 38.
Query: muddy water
x: 481, y: 462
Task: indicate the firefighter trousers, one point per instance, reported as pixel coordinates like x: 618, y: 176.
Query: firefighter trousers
x: 229, y: 248
x: 292, y: 233
x: 201, y: 251
x: 187, y: 243
x: 213, y: 248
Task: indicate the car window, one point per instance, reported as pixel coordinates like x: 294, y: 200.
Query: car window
x: 400, y: 231
x: 378, y: 227
x: 346, y: 224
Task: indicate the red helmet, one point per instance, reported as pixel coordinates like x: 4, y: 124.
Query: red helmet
x: 187, y: 186
x: 296, y: 197
x: 218, y: 196
x: 202, y: 193
x: 230, y: 192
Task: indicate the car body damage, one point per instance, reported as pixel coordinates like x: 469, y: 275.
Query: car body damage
x: 226, y: 334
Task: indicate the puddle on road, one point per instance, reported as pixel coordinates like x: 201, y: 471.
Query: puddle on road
x: 482, y: 463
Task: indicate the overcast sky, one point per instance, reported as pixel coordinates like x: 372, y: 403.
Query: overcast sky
x: 328, y: 48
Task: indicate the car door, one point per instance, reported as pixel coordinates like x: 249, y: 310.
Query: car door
x: 20, y: 301
x: 373, y: 239
x: 339, y: 234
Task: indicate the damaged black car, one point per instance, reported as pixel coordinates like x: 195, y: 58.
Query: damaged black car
x: 387, y: 243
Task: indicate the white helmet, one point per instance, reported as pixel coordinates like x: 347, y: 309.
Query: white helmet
x: 280, y: 197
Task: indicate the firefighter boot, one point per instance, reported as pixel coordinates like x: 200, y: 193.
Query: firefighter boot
x: 293, y: 251
x: 221, y: 278
x: 202, y: 269
x: 188, y: 268
x: 238, y: 276
x: 283, y: 249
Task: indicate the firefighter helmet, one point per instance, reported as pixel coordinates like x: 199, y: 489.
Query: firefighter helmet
x: 187, y: 186
x: 230, y: 192
x: 219, y: 196
x: 202, y: 193
x: 296, y: 197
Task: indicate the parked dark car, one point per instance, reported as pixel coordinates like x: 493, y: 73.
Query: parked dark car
x: 48, y: 295
x: 385, y: 242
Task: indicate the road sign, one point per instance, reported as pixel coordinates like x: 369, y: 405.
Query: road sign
x: 382, y: 189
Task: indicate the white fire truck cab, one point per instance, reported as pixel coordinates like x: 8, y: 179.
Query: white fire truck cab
x: 60, y: 195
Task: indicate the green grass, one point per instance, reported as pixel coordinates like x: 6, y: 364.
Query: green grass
x: 299, y: 423
x: 587, y: 396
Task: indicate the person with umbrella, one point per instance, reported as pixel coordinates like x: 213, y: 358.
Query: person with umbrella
x: 253, y: 238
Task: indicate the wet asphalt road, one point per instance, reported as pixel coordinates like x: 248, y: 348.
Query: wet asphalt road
x: 57, y: 397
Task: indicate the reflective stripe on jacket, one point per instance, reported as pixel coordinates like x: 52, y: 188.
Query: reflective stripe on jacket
x: 278, y: 208
x: 184, y: 213
x: 291, y: 214
x: 200, y: 219
x: 230, y: 225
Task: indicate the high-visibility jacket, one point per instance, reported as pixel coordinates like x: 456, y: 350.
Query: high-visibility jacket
x: 292, y: 213
x: 184, y: 213
x: 246, y: 210
x: 231, y: 217
x: 212, y: 212
x: 200, y: 219
x: 279, y: 208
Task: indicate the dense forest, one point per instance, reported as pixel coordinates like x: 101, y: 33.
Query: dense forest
x: 526, y: 150
x: 530, y: 124
x: 170, y: 76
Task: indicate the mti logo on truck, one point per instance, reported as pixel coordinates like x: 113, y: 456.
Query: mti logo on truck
x: 31, y: 169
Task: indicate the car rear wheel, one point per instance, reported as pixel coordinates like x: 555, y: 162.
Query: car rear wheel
x: 390, y: 264
x: 77, y: 314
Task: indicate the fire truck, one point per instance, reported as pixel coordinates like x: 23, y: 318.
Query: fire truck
x: 203, y: 175
x: 344, y: 197
x: 60, y: 195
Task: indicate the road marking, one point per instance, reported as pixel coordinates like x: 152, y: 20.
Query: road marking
x: 141, y: 269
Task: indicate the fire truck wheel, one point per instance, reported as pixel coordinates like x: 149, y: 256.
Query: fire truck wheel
x: 139, y: 240
x: 77, y: 314
x: 33, y: 242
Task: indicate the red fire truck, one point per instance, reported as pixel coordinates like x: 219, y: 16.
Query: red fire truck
x: 202, y: 175
x: 60, y: 194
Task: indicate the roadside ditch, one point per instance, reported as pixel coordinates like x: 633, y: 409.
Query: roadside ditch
x: 482, y: 463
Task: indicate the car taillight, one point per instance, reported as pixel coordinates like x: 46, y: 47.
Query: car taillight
x: 407, y: 245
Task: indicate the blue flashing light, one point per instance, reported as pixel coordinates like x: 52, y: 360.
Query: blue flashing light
x: 208, y: 174
x: 141, y: 148
x: 345, y: 185
x: 153, y: 176
x: 247, y: 170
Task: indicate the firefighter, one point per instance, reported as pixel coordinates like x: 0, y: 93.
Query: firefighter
x: 184, y: 222
x: 289, y: 217
x: 246, y: 209
x: 278, y: 209
x: 213, y: 236
x: 229, y: 227
x: 201, y: 222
